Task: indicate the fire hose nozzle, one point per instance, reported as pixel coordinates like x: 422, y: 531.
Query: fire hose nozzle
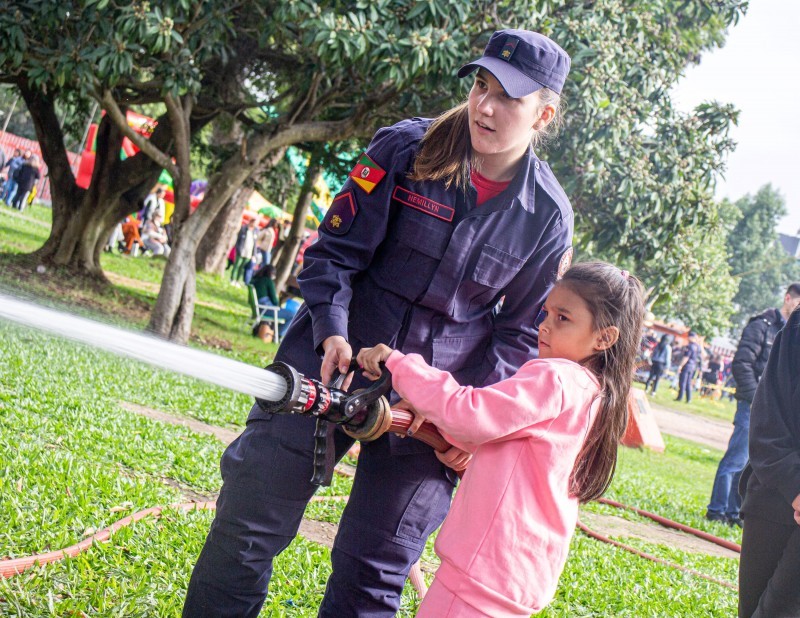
x: 362, y: 413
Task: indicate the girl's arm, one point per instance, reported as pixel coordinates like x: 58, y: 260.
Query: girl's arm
x: 533, y: 396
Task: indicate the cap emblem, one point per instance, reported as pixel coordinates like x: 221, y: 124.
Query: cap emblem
x: 509, y: 47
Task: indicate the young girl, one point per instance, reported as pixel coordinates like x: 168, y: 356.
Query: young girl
x: 543, y: 441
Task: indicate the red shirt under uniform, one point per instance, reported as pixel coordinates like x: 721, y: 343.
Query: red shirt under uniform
x: 487, y: 189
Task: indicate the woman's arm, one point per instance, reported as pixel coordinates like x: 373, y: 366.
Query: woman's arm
x: 354, y: 226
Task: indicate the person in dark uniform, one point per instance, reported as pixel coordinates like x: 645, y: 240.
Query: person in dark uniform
x: 770, y: 562
x: 748, y: 364
x: 438, y: 221
x: 691, y: 357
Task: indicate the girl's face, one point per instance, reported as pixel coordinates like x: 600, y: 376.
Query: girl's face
x: 568, y: 328
x: 501, y: 127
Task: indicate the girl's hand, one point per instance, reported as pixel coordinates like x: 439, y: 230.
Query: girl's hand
x: 369, y: 359
x: 796, y: 507
x: 403, y: 404
x: 454, y: 458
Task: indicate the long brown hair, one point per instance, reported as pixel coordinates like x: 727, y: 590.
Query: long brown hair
x: 445, y: 152
x: 614, y: 298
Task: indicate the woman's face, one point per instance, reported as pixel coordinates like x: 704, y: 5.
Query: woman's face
x: 500, y: 126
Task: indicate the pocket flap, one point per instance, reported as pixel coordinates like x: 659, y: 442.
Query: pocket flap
x: 495, y: 268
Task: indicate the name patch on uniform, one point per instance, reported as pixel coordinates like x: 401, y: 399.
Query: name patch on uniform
x: 367, y: 174
x: 424, y: 204
x: 341, y: 214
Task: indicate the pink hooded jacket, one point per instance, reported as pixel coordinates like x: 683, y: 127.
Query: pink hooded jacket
x: 505, y: 541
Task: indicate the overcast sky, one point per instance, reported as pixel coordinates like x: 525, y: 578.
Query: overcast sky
x: 757, y: 71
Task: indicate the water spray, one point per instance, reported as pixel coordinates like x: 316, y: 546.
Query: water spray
x: 278, y: 389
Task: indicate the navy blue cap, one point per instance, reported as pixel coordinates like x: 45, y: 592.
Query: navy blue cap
x: 523, y: 62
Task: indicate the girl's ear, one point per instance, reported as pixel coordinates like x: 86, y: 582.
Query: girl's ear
x: 546, y: 114
x: 605, y: 338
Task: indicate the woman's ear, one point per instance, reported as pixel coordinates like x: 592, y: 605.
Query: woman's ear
x: 546, y: 114
x: 606, y: 337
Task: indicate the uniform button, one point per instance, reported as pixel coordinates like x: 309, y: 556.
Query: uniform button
x: 536, y: 165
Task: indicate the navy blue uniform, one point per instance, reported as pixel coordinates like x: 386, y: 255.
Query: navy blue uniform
x: 421, y: 268
x: 693, y: 353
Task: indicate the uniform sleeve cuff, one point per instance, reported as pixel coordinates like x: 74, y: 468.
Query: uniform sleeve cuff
x: 327, y: 321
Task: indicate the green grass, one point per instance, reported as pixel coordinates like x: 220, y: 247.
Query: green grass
x: 73, y: 460
x: 719, y: 409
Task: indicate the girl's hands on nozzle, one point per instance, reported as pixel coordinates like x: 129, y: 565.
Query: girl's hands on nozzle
x: 369, y: 360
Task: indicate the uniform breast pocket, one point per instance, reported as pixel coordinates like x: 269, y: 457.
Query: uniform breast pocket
x: 412, y: 253
x: 493, y: 271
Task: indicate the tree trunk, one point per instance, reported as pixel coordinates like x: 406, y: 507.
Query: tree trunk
x: 213, y: 251
x: 297, y: 232
x: 83, y: 218
x: 174, y: 308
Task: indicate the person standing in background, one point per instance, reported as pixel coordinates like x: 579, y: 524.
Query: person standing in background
x: 245, y: 248
x: 661, y: 360
x: 748, y: 364
x: 770, y: 560
x: 25, y: 177
x: 691, y: 357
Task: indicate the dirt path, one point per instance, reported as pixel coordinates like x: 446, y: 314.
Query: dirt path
x: 700, y: 429
x: 704, y: 431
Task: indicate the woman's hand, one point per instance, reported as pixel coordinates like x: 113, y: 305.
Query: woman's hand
x: 338, y: 354
x: 796, y: 507
x: 369, y: 360
x: 454, y: 458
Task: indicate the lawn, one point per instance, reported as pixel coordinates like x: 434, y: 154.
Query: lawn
x: 73, y: 460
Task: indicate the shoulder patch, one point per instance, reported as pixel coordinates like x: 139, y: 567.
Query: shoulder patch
x: 367, y: 174
x: 565, y: 262
x: 341, y: 214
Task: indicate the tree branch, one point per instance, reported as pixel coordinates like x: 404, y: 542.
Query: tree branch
x: 112, y: 109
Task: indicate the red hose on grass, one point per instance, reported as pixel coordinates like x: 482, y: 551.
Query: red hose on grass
x: 15, y: 566
x: 599, y: 537
x: 668, y: 523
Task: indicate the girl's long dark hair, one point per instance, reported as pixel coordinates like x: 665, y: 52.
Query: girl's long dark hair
x: 614, y: 298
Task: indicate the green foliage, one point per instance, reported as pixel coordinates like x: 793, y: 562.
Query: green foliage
x: 702, y: 295
x: 757, y: 260
x: 639, y: 172
x: 97, y: 44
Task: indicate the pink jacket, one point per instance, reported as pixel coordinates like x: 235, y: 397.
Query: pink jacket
x: 504, y: 544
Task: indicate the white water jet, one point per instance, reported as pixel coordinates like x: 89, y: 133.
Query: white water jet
x: 204, y: 366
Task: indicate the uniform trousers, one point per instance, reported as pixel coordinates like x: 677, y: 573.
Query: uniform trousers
x: 685, y: 382
x: 439, y: 602
x: 768, y: 569
x: 397, y: 500
x: 656, y: 371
